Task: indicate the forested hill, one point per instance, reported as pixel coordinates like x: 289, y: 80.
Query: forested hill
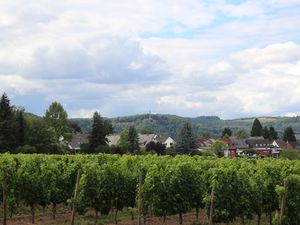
x: 171, y: 124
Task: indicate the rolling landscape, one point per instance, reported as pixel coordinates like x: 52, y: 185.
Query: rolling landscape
x: 202, y: 125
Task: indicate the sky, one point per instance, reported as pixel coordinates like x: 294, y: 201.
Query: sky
x: 231, y: 59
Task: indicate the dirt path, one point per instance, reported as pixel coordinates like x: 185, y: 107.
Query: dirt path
x: 188, y: 219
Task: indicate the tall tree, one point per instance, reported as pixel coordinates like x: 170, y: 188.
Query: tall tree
x: 218, y: 148
x: 289, y: 135
x: 21, y: 127
x: 266, y: 133
x: 273, y: 133
x: 133, y: 140
x: 42, y: 138
x: 100, y: 129
x: 57, y: 118
x: 257, y: 129
x: 186, y: 143
x: 123, y: 141
x: 241, y: 133
x: 7, y: 125
x: 226, y: 132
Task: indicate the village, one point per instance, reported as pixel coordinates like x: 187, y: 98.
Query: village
x: 251, y: 147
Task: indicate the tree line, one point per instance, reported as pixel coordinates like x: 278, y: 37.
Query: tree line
x: 267, y: 132
x: 51, y: 133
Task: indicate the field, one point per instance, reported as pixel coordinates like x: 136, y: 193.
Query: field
x: 36, y: 188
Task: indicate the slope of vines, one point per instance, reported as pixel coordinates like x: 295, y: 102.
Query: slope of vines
x: 228, y: 189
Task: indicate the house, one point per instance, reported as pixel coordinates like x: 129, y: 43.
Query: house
x: 143, y: 139
x: 170, y: 142
x: 232, y: 149
x: 278, y: 145
x: 167, y: 141
x: 263, y: 147
x: 77, y: 140
x: 240, y: 144
x: 113, y: 139
x: 258, y: 143
x: 205, y: 141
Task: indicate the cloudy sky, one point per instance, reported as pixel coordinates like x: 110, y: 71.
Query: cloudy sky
x: 189, y: 57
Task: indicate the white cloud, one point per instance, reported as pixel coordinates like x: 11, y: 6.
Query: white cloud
x: 182, y: 57
x: 19, y: 85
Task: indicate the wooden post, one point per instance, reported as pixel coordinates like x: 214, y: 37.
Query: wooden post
x: 32, y: 208
x: 75, y: 198
x: 211, y: 210
x: 54, y: 211
x: 139, y: 200
x: 4, y: 199
x: 283, y: 199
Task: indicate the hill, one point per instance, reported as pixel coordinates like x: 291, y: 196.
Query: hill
x: 171, y: 124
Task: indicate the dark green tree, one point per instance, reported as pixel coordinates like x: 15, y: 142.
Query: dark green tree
x: 273, y: 133
x: 186, y: 143
x: 7, y: 125
x: 57, y: 118
x: 133, y: 140
x: 257, y: 129
x: 226, y: 132
x: 100, y: 129
x: 266, y: 133
x: 42, y: 138
x: 157, y: 147
x: 289, y: 135
x: 21, y: 127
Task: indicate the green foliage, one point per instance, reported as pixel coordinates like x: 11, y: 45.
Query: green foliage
x: 212, y: 125
x: 218, y: 148
x: 249, y: 152
x: 42, y: 138
x: 226, y: 132
x: 57, y: 119
x: 290, y: 153
x: 273, y: 133
x: 266, y: 133
x: 26, y: 149
x: 241, y: 133
x: 289, y: 135
x: 133, y: 141
x: 147, y: 130
x: 156, y: 147
x: 257, y: 129
x: 170, y: 185
x: 20, y: 127
x: 100, y: 129
x: 123, y: 141
x: 292, y: 206
x: 186, y: 142
x: 8, y: 126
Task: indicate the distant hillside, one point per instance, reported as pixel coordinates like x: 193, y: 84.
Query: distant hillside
x: 171, y: 124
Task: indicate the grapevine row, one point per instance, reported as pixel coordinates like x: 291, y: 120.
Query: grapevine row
x: 228, y: 189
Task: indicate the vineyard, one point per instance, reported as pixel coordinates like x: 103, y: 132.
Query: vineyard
x: 226, y: 189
